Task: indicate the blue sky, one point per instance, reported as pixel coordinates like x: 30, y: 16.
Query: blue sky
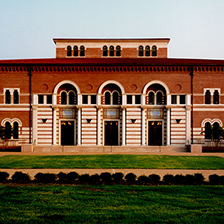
x: 196, y: 27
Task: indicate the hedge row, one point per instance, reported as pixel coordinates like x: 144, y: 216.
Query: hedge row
x: 108, y: 178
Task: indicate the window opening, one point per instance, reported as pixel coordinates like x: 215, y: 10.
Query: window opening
x: 140, y: 51
x: 154, y: 51
x: 49, y: 99
x: 216, y: 97
x: 115, y: 98
x: 15, y: 97
x: 207, y: 97
x: 138, y: 99
x: 84, y: 99
x: 40, y: 99
x: 208, y: 131
x: 71, y: 97
x: 216, y: 130
x: 104, y: 51
x: 174, y: 99
x: 15, y: 130
x: 75, y: 51
x: 147, y: 51
x: 69, y: 51
x: 111, y: 51
x: 118, y: 51
x: 182, y: 99
x: 151, y: 98
x: 63, y: 98
x: 159, y: 98
x: 7, y: 97
x: 129, y: 99
x: 8, y: 130
x: 107, y: 98
x: 82, y: 51
x: 93, y: 99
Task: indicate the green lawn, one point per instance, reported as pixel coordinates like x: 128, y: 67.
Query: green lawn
x: 113, y: 161
x: 111, y: 204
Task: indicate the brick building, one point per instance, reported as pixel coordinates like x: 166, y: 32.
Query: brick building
x: 123, y: 93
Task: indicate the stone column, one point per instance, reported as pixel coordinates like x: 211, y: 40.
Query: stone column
x: 34, y: 125
x: 168, y: 129
x: 123, y: 126
x: 55, y: 109
x: 79, y: 134
x: 99, y: 109
x: 188, y: 125
x: 143, y: 125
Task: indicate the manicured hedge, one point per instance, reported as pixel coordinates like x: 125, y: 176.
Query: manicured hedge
x: 108, y: 178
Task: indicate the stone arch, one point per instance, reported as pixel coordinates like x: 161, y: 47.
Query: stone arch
x: 111, y: 82
x: 156, y: 82
x: 211, y: 121
x: 66, y: 82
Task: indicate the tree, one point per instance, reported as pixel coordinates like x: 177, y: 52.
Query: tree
x: 5, y: 134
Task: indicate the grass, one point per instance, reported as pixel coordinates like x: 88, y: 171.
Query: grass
x: 111, y: 204
x: 113, y: 161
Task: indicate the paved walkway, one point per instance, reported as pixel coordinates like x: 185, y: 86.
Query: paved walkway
x: 137, y: 172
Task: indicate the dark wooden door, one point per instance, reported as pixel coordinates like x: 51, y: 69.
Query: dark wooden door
x: 67, y: 133
x: 111, y: 133
x: 155, y: 133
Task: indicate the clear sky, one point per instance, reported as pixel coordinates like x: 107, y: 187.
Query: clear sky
x: 196, y: 27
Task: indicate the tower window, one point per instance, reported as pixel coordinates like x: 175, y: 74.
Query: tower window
x: 216, y: 97
x: 15, y: 97
x: 118, y: 51
x: 69, y: 51
x: 7, y: 97
x: 154, y: 50
x: 75, y: 51
x: 111, y: 51
x: 147, y: 51
x: 207, y: 97
x: 140, y: 51
x: 15, y: 130
x: 104, y: 51
x: 82, y: 51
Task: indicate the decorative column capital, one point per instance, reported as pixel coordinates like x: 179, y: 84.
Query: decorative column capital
x: 123, y: 107
x: 188, y: 107
x: 54, y: 107
x: 99, y: 107
x: 168, y: 107
x: 34, y: 107
x: 144, y: 108
x: 78, y: 107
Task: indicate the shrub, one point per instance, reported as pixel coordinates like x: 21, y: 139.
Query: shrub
x: 95, y: 178
x: 154, y: 178
x: 72, y: 176
x: 106, y: 177
x: 221, y: 180
x: 190, y: 179
x: 179, y: 179
x: 214, y: 179
x: 45, y: 177
x: 117, y: 177
x: 3, y: 176
x: 168, y: 179
x: 63, y: 177
x: 143, y: 179
x: 84, y: 178
x: 130, y: 178
x: 20, y: 177
x: 199, y: 178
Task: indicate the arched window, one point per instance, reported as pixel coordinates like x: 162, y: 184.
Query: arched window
x: 216, y: 130
x: 154, y: 50
x: 208, y: 131
x: 15, y: 97
x: 140, y: 51
x: 69, y: 51
x: 159, y: 98
x: 63, y: 98
x: 8, y: 130
x: 147, y: 51
x: 207, y: 97
x: 7, y: 97
x: 71, y: 97
x: 15, y: 130
x: 111, y: 51
x: 75, y: 51
x: 216, y: 97
x: 115, y: 98
x: 104, y: 51
x: 82, y: 51
x: 107, y: 98
x: 118, y: 51
x: 151, y: 98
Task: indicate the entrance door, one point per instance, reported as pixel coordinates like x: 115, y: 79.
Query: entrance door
x: 111, y: 133
x: 155, y: 133
x: 67, y: 132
